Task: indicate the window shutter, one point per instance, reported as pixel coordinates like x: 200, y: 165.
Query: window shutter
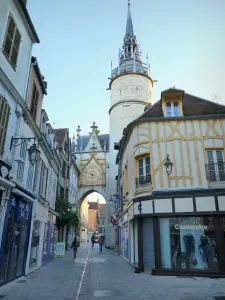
x: 15, y: 48
x: 41, y: 177
x: 9, y: 37
x: 34, y: 101
x: 4, y: 120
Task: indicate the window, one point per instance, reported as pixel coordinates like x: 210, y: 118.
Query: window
x: 20, y: 170
x: 23, y: 150
x: 144, y: 172
x: 44, y: 178
x: 189, y: 243
x: 172, y: 109
x: 12, y: 42
x: 30, y: 176
x: 4, y: 120
x: 216, y: 166
x: 34, y: 101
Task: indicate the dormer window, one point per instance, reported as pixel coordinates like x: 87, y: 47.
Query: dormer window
x: 172, y: 109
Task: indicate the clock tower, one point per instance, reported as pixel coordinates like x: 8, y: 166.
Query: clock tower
x: 131, y: 90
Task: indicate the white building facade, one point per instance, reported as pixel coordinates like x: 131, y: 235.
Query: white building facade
x: 28, y: 165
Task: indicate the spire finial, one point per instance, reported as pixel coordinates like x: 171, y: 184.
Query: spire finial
x: 128, y: 2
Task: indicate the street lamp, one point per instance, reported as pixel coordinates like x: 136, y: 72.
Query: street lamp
x: 33, y: 152
x: 168, y: 165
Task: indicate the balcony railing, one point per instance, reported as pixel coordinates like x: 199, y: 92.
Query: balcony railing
x: 143, y: 181
x: 216, y: 172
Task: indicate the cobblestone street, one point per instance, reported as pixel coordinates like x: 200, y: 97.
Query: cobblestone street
x: 106, y: 276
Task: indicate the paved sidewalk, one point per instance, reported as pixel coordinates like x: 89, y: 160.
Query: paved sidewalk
x: 107, y: 276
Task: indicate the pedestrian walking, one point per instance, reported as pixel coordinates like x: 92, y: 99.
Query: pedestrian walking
x: 93, y: 240
x: 100, y: 242
x: 75, y: 245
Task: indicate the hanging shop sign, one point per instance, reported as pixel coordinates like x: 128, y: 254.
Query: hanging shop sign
x: 113, y: 220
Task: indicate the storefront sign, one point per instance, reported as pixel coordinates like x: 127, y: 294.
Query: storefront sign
x: 60, y: 250
x: 189, y: 227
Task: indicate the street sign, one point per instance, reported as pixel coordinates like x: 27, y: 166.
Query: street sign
x: 60, y: 249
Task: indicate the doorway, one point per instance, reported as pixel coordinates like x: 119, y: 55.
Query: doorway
x: 14, y: 242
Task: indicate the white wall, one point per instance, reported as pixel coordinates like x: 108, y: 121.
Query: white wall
x: 20, y: 76
x: 73, y: 185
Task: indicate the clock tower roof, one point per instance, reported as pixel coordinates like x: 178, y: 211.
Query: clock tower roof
x: 130, y: 57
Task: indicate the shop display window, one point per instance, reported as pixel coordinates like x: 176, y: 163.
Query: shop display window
x: 188, y: 243
x: 35, y: 244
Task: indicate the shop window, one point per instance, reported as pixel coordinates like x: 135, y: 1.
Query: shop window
x: 144, y: 172
x: 172, y: 109
x: 188, y: 243
x: 216, y: 166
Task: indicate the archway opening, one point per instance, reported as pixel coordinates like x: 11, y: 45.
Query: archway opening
x: 92, y: 216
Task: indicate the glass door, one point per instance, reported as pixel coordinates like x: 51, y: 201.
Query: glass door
x: 22, y: 245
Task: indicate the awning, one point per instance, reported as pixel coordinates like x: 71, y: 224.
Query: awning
x: 6, y: 182
x: 25, y: 196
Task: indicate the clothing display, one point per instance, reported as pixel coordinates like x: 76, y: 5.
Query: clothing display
x: 189, y: 243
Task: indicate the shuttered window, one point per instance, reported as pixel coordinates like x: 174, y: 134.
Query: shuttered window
x: 30, y: 176
x: 12, y: 42
x: 4, y: 120
x: 34, y: 101
x: 20, y: 171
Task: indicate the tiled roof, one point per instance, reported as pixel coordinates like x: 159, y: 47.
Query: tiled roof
x: 60, y: 135
x: 83, y: 141
x: 192, y: 106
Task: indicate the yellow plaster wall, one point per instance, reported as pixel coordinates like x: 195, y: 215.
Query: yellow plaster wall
x: 186, y: 142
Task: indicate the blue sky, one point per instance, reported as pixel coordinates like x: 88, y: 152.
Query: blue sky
x: 184, y: 40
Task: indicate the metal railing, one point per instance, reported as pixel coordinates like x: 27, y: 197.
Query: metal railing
x: 215, y: 171
x: 143, y: 181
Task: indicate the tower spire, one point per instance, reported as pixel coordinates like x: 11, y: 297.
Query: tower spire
x: 129, y: 58
x: 129, y: 27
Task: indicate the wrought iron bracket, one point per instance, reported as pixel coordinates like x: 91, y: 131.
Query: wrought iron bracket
x: 18, y: 141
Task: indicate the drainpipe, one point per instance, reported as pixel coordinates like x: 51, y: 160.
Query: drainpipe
x: 28, y: 80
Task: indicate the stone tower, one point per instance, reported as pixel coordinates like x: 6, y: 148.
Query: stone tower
x: 131, y: 90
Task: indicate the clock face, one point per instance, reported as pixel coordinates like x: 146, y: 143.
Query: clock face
x: 91, y: 175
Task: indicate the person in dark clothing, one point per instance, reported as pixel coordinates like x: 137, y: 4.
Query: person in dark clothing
x: 93, y: 240
x: 75, y: 245
x: 103, y: 240
x: 100, y: 242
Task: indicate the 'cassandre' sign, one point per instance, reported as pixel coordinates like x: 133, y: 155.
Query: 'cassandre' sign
x: 60, y: 250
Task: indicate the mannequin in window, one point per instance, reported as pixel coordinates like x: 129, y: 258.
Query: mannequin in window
x: 204, y: 248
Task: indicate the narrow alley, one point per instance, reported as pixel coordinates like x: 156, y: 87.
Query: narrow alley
x: 105, y: 275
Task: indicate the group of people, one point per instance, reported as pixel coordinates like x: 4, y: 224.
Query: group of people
x: 76, y: 243
x: 101, y: 241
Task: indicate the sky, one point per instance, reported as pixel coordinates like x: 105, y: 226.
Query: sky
x: 183, y: 39
x: 93, y: 197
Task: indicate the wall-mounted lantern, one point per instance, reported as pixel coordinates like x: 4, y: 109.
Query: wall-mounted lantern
x: 33, y: 152
x: 168, y: 165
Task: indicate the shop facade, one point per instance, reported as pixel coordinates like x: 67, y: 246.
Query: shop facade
x: 50, y: 238
x: 40, y: 212
x: 182, y: 233
x: 15, y: 236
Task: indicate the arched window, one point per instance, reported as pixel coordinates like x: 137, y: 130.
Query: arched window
x: 172, y: 109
